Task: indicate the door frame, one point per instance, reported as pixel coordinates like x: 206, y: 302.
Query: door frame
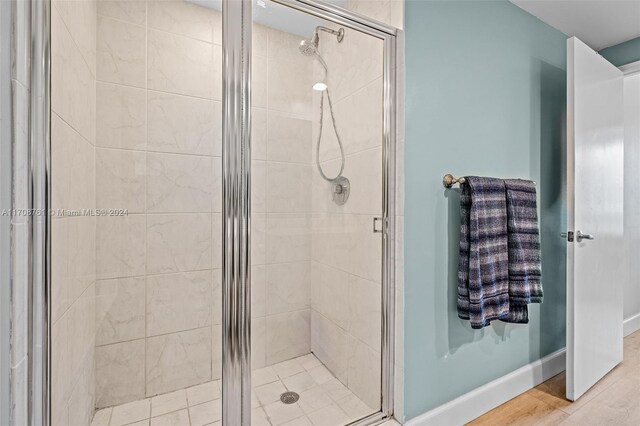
x: 629, y: 324
x: 236, y: 201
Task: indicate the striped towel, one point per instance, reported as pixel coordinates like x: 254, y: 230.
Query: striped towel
x: 483, y: 272
x: 524, y: 249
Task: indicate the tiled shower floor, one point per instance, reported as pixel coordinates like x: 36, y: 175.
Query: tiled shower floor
x: 324, y: 401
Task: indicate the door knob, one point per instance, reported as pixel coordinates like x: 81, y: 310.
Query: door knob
x: 580, y: 236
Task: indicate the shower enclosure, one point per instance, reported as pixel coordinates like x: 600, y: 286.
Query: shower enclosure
x: 220, y: 178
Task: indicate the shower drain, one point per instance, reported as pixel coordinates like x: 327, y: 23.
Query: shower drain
x: 289, y: 397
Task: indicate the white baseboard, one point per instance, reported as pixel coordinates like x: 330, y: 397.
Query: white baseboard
x: 485, y: 398
x: 631, y: 325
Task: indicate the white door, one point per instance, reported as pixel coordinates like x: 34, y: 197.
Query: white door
x: 595, y: 124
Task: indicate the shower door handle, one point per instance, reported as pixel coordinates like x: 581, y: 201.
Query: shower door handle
x: 378, y: 229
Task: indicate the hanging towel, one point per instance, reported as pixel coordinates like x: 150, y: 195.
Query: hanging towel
x: 483, y: 274
x: 524, y: 249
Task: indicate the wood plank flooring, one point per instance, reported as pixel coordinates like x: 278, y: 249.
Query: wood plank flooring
x: 613, y: 401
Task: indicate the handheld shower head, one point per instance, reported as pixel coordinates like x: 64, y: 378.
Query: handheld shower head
x: 309, y: 47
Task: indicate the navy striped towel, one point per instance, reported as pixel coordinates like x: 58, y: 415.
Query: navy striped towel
x: 483, y: 271
x: 524, y: 249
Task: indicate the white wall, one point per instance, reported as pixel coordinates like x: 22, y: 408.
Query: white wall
x: 632, y: 196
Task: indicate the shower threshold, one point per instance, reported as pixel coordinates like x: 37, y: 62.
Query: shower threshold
x: 323, y: 401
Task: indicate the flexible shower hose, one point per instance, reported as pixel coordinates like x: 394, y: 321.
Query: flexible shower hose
x: 333, y: 121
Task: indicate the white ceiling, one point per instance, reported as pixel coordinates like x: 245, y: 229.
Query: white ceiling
x: 598, y: 23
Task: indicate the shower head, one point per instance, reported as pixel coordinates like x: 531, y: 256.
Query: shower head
x: 309, y: 47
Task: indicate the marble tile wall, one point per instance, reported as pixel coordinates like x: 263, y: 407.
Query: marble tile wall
x: 73, y: 150
x: 158, y: 156
x: 159, y: 148
x: 346, y: 266
x: 281, y: 200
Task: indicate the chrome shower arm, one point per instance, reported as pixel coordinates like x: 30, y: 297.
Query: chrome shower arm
x: 339, y: 34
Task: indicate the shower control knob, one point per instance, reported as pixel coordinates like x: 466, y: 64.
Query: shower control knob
x: 340, y: 189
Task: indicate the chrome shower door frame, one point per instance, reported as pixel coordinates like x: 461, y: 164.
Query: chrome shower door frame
x: 389, y: 36
x: 35, y: 57
x: 236, y: 212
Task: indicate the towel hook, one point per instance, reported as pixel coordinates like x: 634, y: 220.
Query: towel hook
x: 448, y: 180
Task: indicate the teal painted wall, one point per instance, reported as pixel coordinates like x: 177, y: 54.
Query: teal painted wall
x: 623, y: 53
x: 485, y: 95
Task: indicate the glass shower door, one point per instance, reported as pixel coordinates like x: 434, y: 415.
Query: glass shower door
x: 137, y: 199
x: 317, y: 184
